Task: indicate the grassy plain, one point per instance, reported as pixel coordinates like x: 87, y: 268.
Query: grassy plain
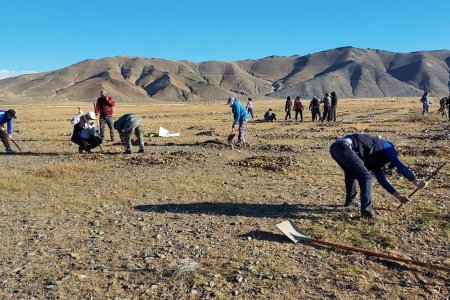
x: 114, y: 226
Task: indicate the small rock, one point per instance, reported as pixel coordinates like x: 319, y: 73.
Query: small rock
x: 154, y: 286
x: 238, y: 278
x: 234, y: 293
x: 96, y: 223
x: 50, y: 287
x: 74, y: 255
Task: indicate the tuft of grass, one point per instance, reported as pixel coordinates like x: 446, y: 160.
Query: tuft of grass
x: 428, y: 216
x: 430, y: 118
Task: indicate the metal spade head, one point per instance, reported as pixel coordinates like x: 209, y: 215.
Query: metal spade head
x: 292, y: 231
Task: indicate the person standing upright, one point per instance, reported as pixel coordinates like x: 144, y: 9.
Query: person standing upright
x: 104, y: 111
x: 298, y: 107
x: 425, y: 103
x: 288, y: 108
x: 7, y: 116
x: 448, y: 107
x: 314, y: 107
x: 326, y: 108
x: 250, y: 107
x: 334, y: 101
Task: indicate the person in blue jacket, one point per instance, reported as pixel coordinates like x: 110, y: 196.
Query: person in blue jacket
x: 359, y: 155
x: 6, y: 116
x: 240, y: 117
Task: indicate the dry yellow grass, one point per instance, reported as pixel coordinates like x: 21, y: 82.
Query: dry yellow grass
x: 108, y: 225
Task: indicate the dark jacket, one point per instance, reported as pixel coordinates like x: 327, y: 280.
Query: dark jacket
x: 104, y: 106
x: 288, y: 106
x: 314, y: 104
x: 334, y: 100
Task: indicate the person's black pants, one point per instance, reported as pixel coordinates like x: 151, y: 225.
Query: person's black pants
x: 88, y: 144
x: 299, y: 112
x: 109, y: 121
x: 333, y: 114
x: 315, y: 114
x: 354, y: 170
x: 326, y: 114
x: 288, y: 114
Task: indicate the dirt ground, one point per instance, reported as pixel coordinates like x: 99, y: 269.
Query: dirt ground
x: 194, y: 219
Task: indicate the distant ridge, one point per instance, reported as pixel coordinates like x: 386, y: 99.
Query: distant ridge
x: 349, y: 71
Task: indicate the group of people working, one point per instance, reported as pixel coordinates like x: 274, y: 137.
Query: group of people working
x: 85, y: 134
x: 359, y: 155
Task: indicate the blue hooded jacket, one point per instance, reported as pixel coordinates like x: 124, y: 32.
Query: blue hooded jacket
x: 4, y: 119
x: 239, y: 112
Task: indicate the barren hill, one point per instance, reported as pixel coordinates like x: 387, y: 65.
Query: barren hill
x: 351, y: 72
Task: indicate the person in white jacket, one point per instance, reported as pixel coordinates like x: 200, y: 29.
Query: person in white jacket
x: 84, y: 133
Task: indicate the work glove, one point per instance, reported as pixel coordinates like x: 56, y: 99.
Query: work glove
x: 421, y: 184
x: 403, y: 199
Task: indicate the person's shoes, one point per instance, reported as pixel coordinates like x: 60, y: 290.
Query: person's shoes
x: 127, y: 152
x: 369, y: 213
x: 10, y: 152
x: 352, y: 202
x: 80, y: 149
x: 141, y: 151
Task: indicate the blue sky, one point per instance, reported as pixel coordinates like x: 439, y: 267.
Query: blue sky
x: 46, y: 35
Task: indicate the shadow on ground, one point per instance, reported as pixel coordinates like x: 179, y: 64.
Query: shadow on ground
x: 28, y: 153
x: 236, y: 209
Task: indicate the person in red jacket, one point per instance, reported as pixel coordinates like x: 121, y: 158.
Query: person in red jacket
x: 104, y: 111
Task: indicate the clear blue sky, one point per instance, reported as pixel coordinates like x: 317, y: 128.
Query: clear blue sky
x: 44, y: 35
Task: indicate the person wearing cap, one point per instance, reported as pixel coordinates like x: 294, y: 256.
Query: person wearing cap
x: 359, y: 155
x: 84, y: 134
x: 314, y: 107
x: 288, y: 108
x: 104, y: 111
x: 240, y: 117
x: 126, y: 125
x: 7, y: 116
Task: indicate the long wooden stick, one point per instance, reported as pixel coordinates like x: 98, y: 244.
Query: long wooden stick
x: 294, y: 233
x: 432, y: 175
x: 375, y: 254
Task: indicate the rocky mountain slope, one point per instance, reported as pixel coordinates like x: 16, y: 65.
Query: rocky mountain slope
x: 350, y: 72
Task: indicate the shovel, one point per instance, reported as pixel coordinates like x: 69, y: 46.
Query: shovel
x: 427, y: 179
x: 293, y: 232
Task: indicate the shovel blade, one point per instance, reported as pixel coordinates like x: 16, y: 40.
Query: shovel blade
x: 292, y: 231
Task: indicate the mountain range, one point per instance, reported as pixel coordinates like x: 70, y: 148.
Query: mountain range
x: 350, y: 72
